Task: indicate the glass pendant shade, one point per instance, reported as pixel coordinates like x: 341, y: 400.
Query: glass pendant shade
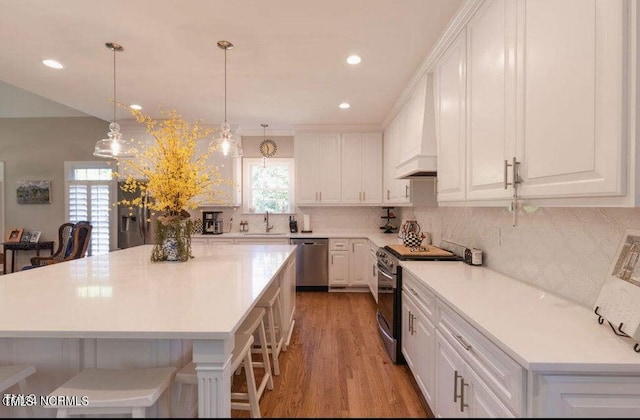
x: 114, y: 146
x: 227, y: 144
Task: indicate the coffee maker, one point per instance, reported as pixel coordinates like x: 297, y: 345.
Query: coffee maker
x: 211, y: 222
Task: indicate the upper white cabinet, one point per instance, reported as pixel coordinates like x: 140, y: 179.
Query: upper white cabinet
x: 491, y: 38
x: 547, y: 84
x: 450, y: 99
x: 394, y: 191
x: 317, y: 160
x: 571, y: 97
x: 361, y: 168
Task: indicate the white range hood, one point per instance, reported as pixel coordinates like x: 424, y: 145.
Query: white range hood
x: 419, y: 158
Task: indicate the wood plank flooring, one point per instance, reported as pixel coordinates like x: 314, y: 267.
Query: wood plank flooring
x: 336, y: 366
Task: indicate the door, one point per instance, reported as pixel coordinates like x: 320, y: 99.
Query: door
x: 572, y: 97
x: 449, y: 91
x: 449, y: 369
x: 491, y: 36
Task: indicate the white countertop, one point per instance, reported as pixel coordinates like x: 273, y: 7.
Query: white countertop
x: 379, y: 238
x: 124, y: 295
x: 535, y: 327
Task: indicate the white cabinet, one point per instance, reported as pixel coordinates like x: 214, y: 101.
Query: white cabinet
x: 461, y: 392
x: 585, y: 396
x: 287, y: 279
x: 394, y: 191
x: 545, y: 83
x: 572, y: 98
x: 348, y: 263
x: 372, y: 270
x: 500, y: 392
x: 361, y: 168
x: 490, y: 64
x: 419, y: 335
x: 450, y: 98
x: 317, y: 160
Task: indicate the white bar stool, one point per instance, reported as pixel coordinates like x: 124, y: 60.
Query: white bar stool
x: 270, y: 301
x: 255, y: 322
x: 116, y: 391
x: 16, y: 375
x: 241, y: 354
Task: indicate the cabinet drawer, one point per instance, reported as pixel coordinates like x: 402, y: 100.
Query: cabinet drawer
x: 424, y: 299
x: 338, y: 244
x: 501, y: 373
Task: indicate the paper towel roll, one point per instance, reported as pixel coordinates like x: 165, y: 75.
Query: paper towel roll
x: 306, y: 223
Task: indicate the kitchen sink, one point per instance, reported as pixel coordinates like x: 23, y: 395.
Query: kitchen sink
x: 265, y: 234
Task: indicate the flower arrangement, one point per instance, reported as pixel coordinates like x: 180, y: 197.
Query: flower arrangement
x: 177, y: 176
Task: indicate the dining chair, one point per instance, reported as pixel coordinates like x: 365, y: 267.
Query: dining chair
x: 74, y: 243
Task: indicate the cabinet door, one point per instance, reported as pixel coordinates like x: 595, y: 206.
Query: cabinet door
x: 304, y: 152
x: 394, y: 191
x: 327, y: 167
x: 425, y: 360
x: 449, y: 91
x: 339, y: 268
x: 371, y: 168
x: 358, y: 262
x: 483, y: 403
x: 352, y: 168
x: 449, y: 368
x: 572, y: 94
x: 408, y: 308
x: 490, y: 98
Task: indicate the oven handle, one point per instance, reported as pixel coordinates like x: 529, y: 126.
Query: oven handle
x: 384, y: 273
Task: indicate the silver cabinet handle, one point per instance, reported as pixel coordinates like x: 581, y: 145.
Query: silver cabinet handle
x: 413, y: 324
x: 464, y: 344
x: 406, y: 191
x: 364, y: 196
x: 462, y: 403
x: 388, y: 192
x: 506, y: 173
x: 320, y: 195
x: 455, y: 385
x: 410, y: 319
x: 332, y: 260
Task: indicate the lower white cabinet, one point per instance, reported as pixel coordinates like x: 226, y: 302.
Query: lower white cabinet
x: 348, y: 263
x: 372, y: 270
x: 461, y: 392
x: 418, y: 338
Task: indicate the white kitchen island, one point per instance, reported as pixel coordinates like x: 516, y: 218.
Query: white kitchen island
x: 121, y: 310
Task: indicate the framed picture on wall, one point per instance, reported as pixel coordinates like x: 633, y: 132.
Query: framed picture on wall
x: 14, y: 235
x: 35, y: 236
x: 33, y: 192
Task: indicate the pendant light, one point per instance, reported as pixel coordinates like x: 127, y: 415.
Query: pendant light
x: 229, y: 146
x: 113, y: 146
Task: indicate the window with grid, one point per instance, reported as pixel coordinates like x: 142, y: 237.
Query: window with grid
x: 268, y: 185
x: 89, y: 197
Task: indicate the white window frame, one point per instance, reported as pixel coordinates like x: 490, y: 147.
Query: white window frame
x: 70, y: 167
x: 247, y: 191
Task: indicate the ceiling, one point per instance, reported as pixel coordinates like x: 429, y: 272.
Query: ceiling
x: 288, y: 66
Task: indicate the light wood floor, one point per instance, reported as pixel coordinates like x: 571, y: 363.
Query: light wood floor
x: 336, y: 365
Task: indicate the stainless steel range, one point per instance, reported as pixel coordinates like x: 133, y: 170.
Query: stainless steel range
x: 389, y: 313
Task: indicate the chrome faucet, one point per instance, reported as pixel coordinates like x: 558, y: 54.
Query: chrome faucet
x: 266, y: 221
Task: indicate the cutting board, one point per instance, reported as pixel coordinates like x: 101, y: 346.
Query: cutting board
x: 431, y: 251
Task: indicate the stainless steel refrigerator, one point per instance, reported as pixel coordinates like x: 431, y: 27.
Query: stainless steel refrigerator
x: 136, y: 226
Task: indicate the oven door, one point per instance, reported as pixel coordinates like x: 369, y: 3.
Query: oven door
x: 387, y: 311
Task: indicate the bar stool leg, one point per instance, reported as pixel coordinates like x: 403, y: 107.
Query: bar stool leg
x: 273, y: 343
x: 265, y: 355
x: 251, y: 385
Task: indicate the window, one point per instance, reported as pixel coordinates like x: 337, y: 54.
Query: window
x: 268, y: 185
x: 89, y: 195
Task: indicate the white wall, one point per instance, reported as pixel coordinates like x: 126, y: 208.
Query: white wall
x: 564, y: 250
x: 36, y: 148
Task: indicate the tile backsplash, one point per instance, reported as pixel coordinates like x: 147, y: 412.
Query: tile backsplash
x: 567, y: 251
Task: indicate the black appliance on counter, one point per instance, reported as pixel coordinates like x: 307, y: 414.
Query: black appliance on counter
x: 293, y: 224
x: 211, y: 223
x: 389, y: 312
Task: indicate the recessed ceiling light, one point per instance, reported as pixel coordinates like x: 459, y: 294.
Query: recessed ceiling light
x: 344, y: 105
x: 53, y: 64
x: 135, y: 106
x: 354, y: 59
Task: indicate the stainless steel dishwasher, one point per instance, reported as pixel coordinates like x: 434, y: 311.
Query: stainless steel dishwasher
x: 312, y: 263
